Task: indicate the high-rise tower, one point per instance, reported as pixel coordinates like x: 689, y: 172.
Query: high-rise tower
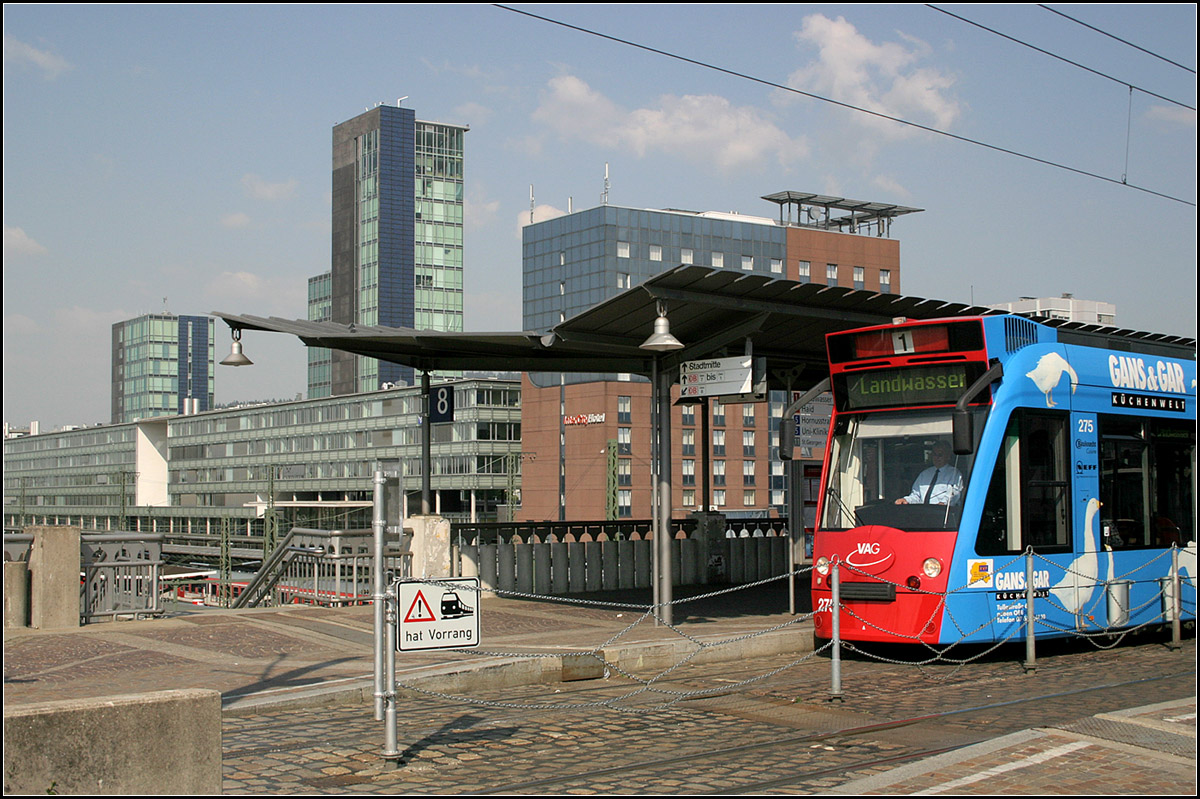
x: 162, y: 365
x: 397, y: 240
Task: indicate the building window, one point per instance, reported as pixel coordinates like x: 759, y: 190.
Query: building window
x: 748, y: 499
x: 688, y: 447
x: 802, y: 271
x: 748, y: 443
x: 831, y: 274
x: 718, y: 413
x: 622, y: 249
x: 689, y: 472
x: 688, y: 414
x: 718, y: 259
x: 685, y: 256
x: 718, y: 442
x: 748, y: 473
x: 624, y: 441
x: 718, y: 473
x: 748, y: 263
x: 689, y: 498
x: 623, y: 281
x: 624, y: 504
x: 719, y: 498
x: 624, y: 472
x: 776, y: 266
x: 747, y: 415
x: 777, y: 498
x: 859, y: 277
x: 624, y: 410
x: 885, y: 281
x: 655, y: 252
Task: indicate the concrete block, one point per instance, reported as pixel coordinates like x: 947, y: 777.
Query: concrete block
x: 54, y: 564
x: 16, y: 594
x: 155, y: 744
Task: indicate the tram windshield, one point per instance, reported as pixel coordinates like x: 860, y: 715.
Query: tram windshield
x: 895, y: 469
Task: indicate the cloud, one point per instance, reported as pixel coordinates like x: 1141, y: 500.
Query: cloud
x: 477, y: 212
x: 235, y: 220
x: 472, y: 114
x: 1172, y: 115
x: 19, y: 53
x: 260, y: 189
x: 885, y: 77
x: 541, y: 213
x: 701, y: 128
x: 285, y: 296
x: 18, y: 242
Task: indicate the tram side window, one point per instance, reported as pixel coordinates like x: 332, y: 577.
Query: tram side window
x: 1029, y: 497
x: 1147, y: 479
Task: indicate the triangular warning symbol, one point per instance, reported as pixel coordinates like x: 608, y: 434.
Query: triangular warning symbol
x: 419, y: 610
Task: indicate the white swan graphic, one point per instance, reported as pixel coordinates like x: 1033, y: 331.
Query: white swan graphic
x: 1048, y: 373
x: 1075, y: 589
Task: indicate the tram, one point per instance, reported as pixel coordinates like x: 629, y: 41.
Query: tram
x: 957, y: 446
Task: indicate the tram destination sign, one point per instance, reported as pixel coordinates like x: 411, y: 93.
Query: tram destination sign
x: 723, y: 377
x: 438, y: 614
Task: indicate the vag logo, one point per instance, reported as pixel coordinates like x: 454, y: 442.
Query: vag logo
x: 870, y: 556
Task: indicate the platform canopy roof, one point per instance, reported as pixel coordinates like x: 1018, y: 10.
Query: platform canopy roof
x: 713, y: 312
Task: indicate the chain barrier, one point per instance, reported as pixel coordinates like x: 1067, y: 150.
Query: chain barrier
x: 1074, y: 581
x: 641, y: 686
x: 662, y: 696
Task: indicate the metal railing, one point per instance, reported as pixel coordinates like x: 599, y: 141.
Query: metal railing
x: 120, y: 576
x: 321, y: 567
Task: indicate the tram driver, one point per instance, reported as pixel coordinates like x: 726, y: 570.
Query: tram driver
x: 940, y: 484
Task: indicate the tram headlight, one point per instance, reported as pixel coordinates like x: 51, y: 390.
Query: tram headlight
x: 823, y: 565
x: 932, y: 567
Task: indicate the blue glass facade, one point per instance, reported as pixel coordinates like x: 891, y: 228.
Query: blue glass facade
x: 573, y: 262
x: 396, y: 240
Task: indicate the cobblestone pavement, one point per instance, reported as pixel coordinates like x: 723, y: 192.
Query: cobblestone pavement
x: 779, y: 735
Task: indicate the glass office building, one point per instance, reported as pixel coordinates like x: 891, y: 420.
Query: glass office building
x: 573, y: 262
x: 162, y: 365
x: 183, y: 473
x: 397, y: 241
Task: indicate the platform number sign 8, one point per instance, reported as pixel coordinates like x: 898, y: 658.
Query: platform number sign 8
x: 441, y: 404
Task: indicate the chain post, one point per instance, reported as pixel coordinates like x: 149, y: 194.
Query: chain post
x: 835, y: 584
x: 1030, y: 653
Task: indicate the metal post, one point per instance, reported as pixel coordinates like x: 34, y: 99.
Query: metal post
x: 657, y: 532
x: 835, y: 584
x: 1030, y: 621
x: 378, y: 528
x: 1176, y: 597
x: 664, y: 492
x: 391, y: 748
x: 426, y: 446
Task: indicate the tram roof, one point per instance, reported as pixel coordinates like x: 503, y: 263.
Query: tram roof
x: 712, y: 311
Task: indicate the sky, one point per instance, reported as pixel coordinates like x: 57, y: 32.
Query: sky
x: 178, y: 157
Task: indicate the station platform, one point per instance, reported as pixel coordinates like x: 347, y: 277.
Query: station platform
x: 302, y: 658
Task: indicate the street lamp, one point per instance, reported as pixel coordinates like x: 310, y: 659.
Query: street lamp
x: 661, y: 341
x: 236, y: 357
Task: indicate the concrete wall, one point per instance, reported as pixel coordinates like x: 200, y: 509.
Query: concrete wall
x: 156, y: 744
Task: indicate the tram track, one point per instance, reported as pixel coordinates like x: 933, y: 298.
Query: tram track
x: 860, y: 733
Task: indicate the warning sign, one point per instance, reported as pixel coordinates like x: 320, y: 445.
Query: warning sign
x: 419, y: 610
x: 450, y: 622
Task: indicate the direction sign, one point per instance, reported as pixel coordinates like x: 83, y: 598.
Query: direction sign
x: 812, y: 422
x: 716, y: 377
x: 440, y: 614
